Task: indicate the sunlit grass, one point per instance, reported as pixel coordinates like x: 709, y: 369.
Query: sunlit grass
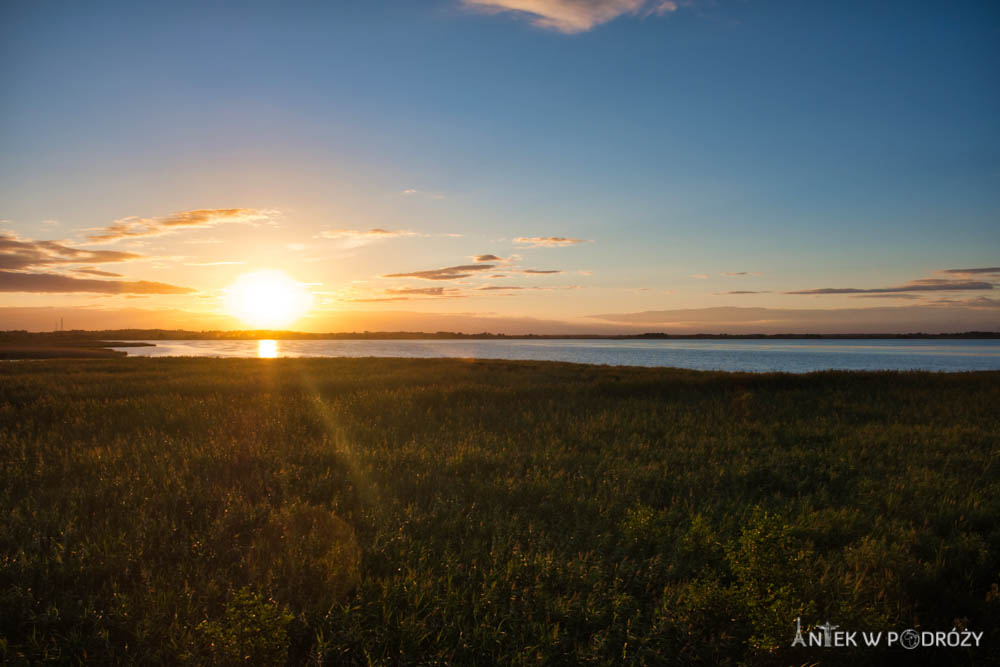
x: 380, y: 510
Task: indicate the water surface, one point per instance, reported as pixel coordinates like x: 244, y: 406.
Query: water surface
x: 794, y: 356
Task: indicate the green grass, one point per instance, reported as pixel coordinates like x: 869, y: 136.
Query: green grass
x: 448, y: 511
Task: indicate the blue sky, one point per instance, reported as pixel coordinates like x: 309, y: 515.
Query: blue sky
x: 807, y: 145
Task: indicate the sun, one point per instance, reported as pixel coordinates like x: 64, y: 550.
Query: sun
x: 267, y: 299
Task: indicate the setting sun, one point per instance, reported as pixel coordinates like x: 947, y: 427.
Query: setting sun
x: 267, y: 299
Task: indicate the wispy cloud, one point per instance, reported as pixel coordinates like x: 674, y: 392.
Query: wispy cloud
x: 11, y: 281
x: 993, y: 271
x: 537, y: 272
x: 447, y: 273
x: 487, y: 258
x: 573, y: 16
x: 905, y: 296
x: 21, y: 259
x: 497, y: 288
x: 411, y: 294
x: 355, y: 238
x: 378, y: 299
x: 699, y: 276
x: 923, y: 285
x: 373, y: 234
x: 215, y: 263
x: 132, y: 227
x: 548, y: 241
x: 979, y: 302
x: 423, y: 291
x: 17, y: 253
x: 413, y: 192
x: 960, y: 316
x: 97, y: 272
x: 742, y: 291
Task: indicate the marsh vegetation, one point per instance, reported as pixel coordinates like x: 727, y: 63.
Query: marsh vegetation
x: 450, y: 511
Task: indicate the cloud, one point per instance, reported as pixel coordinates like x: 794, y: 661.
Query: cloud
x: 378, y: 299
x: 573, y: 16
x: 742, y: 291
x: 923, y: 285
x: 886, y: 296
x: 736, y: 274
x: 132, y: 227
x: 977, y: 302
x: 11, y: 281
x: 355, y: 238
x: 897, y: 319
x: 539, y: 271
x: 491, y: 288
x: 447, y: 273
x: 699, y: 276
x: 989, y: 270
x: 17, y: 253
x: 214, y: 263
x: 548, y: 241
x: 374, y: 234
x: 423, y: 291
x: 487, y: 258
x: 96, y: 272
x: 412, y: 294
x: 413, y: 192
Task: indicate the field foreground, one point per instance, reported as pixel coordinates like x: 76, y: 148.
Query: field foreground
x: 449, y: 511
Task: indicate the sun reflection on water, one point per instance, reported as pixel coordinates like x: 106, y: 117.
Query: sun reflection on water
x: 267, y: 349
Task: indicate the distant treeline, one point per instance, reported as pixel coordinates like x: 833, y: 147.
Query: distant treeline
x: 77, y: 335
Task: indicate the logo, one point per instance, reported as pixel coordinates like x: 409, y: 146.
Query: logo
x: 829, y: 635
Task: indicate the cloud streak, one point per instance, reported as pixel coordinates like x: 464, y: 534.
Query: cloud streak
x: 954, y: 317
x: 97, y: 272
x: 134, y: 227
x: 988, y: 270
x: 924, y: 285
x: 447, y: 273
x: 375, y: 234
x: 12, y: 281
x: 548, y: 241
x: 573, y: 16
x: 17, y: 253
x: 422, y: 291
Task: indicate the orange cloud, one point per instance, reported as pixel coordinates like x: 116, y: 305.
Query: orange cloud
x: 12, y: 281
x: 573, y: 16
x: 132, y: 227
x: 548, y: 241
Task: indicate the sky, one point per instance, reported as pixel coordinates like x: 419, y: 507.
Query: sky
x: 515, y: 166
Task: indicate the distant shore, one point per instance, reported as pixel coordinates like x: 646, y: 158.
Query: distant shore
x: 61, y: 348
x: 87, y: 338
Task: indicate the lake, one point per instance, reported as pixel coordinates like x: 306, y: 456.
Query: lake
x: 793, y: 356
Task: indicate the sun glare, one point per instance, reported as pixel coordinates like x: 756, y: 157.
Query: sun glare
x: 267, y: 299
x: 267, y: 349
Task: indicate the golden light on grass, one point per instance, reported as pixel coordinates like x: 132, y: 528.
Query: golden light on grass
x: 267, y: 299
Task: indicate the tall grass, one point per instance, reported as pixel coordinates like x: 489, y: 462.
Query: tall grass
x: 448, y: 511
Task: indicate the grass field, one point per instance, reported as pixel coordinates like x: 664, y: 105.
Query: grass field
x: 458, y: 512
